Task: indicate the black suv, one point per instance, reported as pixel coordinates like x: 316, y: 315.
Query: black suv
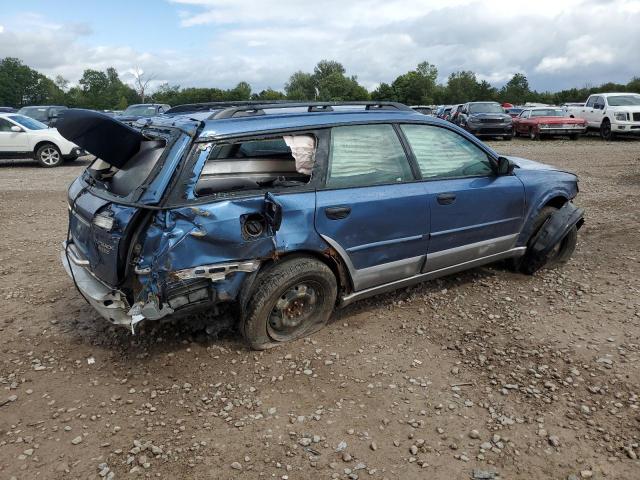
x: 47, y: 114
x: 486, y: 119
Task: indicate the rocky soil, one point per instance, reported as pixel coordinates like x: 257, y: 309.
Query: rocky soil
x: 483, y: 375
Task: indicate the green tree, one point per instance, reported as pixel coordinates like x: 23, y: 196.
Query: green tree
x: 462, y: 87
x: 416, y: 86
x: 269, y: 94
x: 21, y: 85
x: 242, y: 91
x: 384, y: 92
x: 301, y: 86
x: 516, y: 90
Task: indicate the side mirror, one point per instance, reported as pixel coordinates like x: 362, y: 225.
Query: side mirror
x: 16, y: 129
x: 505, y: 167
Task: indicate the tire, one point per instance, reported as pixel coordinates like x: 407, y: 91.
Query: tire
x: 508, y: 138
x: 297, y: 287
x: 533, y: 135
x: 558, y: 256
x: 49, y: 156
x: 574, y: 136
x: 605, y: 130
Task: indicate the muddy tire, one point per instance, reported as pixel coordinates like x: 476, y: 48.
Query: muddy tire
x: 290, y: 299
x: 49, y: 156
x: 559, y: 255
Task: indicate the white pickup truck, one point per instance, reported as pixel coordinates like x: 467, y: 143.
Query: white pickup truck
x: 610, y: 113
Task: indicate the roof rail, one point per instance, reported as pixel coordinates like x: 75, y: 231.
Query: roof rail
x: 256, y: 109
x: 208, y: 106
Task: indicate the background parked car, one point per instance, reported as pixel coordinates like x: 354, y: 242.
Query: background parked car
x: 424, y: 109
x: 453, y: 114
x: 7, y: 110
x: 514, y: 111
x: 142, y: 110
x: 487, y: 119
x: 445, y: 112
x: 47, y: 114
x: 22, y: 136
x: 548, y: 121
x: 610, y: 113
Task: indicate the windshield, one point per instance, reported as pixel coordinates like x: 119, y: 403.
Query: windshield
x: 485, y: 108
x: 623, y: 100
x: 140, y: 110
x: 27, y: 122
x: 548, y: 112
x: 39, y: 113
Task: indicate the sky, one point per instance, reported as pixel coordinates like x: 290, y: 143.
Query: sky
x: 557, y: 44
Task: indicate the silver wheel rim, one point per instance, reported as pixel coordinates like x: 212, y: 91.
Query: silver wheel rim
x: 50, y: 156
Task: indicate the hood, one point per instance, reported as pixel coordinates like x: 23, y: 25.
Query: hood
x: 625, y: 108
x: 526, y: 164
x: 499, y: 116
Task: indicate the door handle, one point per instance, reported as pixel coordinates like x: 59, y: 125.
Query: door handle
x: 446, y: 198
x: 337, y: 213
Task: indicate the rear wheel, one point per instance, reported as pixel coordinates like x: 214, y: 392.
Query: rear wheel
x: 574, y: 136
x: 49, y: 156
x: 560, y: 253
x: 291, y: 299
x: 533, y: 134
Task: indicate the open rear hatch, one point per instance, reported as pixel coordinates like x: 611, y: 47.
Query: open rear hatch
x: 103, y: 202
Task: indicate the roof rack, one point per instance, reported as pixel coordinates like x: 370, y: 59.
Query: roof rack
x: 257, y: 109
x: 209, y: 106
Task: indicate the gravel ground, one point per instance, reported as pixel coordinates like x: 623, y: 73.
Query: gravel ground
x: 482, y: 375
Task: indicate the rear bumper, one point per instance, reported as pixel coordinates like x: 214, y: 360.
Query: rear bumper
x: 109, y: 302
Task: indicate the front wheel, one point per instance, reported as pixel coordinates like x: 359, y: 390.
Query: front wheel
x: 560, y: 253
x: 574, y: 136
x: 291, y: 299
x: 49, y: 156
x: 605, y: 131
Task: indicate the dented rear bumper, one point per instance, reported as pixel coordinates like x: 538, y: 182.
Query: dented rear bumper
x: 109, y: 302
x: 207, y: 284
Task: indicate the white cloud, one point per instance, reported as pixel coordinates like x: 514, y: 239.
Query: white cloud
x: 555, y: 43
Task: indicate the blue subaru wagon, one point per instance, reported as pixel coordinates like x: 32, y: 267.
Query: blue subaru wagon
x: 281, y: 212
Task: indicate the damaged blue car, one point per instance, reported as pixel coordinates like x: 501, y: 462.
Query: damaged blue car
x: 281, y: 212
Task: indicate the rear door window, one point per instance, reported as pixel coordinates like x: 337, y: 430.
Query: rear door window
x: 282, y: 161
x: 362, y: 155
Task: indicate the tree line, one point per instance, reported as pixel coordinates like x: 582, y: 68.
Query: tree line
x: 103, y: 90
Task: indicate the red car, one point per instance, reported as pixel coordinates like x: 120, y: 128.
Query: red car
x: 547, y: 121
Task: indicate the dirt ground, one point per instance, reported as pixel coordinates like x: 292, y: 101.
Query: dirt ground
x: 486, y: 374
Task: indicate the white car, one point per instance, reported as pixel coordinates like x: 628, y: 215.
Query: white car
x: 610, y: 113
x: 23, y: 137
